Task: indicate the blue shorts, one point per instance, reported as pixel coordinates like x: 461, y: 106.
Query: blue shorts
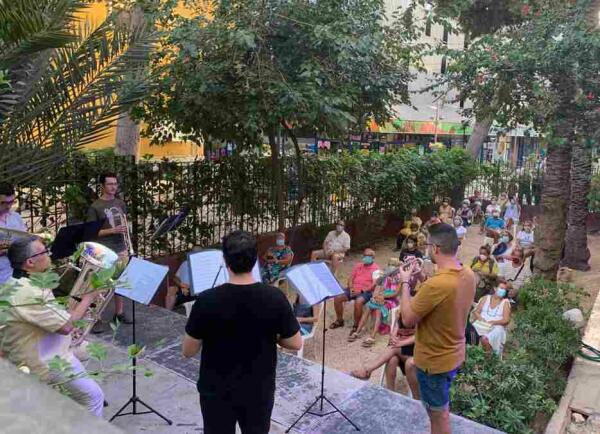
x: 366, y: 296
x: 435, y: 389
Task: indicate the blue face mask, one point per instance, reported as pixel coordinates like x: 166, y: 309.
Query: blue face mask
x: 280, y: 242
x: 501, y: 292
x: 504, y: 239
x: 367, y: 260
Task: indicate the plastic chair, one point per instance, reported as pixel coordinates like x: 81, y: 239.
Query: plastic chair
x: 311, y: 335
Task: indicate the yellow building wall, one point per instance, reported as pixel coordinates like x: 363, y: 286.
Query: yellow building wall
x: 95, y: 13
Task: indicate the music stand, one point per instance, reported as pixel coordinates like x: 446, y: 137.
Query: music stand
x: 143, y: 278
x: 69, y: 237
x: 170, y: 223
x: 317, y: 284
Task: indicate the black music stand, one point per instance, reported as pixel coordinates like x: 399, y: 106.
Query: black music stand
x: 144, y: 278
x: 321, y: 286
x: 69, y: 237
x: 170, y: 223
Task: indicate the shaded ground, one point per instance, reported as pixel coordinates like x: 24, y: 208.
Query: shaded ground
x: 346, y: 356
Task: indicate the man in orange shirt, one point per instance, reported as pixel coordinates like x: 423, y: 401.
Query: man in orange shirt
x: 439, y: 311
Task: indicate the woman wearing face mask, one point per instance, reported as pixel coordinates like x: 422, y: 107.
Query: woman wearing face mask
x: 446, y: 212
x: 461, y: 231
x: 525, y: 238
x: 491, y: 316
x: 276, y: 259
x: 504, y: 247
x: 486, y: 269
x: 410, y: 249
x: 465, y: 213
x: 516, y: 272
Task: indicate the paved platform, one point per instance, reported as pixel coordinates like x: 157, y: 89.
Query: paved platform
x: 172, y: 389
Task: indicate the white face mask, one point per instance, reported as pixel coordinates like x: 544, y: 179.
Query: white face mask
x: 339, y: 228
x: 504, y: 239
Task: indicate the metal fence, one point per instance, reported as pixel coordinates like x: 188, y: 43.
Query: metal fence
x: 233, y: 193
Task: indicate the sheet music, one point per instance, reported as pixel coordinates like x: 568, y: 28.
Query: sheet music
x: 314, y: 281
x: 141, y: 280
x: 204, y: 267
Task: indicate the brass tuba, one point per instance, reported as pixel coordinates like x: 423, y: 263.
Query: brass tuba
x: 94, y: 257
x: 116, y: 217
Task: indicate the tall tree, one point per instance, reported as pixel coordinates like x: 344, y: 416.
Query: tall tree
x: 257, y: 67
x: 543, y: 70
x: 64, y: 82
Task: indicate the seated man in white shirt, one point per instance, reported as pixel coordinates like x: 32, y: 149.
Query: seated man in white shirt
x: 335, y: 246
x: 37, y: 329
x: 179, y: 293
x: 516, y: 272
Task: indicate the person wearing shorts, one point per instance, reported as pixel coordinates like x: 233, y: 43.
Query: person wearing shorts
x: 439, y: 311
x: 360, y: 288
x: 335, y: 246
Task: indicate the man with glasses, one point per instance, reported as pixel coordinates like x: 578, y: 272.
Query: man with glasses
x: 11, y: 220
x: 37, y: 329
x: 110, y: 236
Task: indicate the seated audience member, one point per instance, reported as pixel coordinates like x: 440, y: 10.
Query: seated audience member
x: 276, y: 259
x: 179, y: 293
x: 486, y: 269
x: 515, y: 272
x: 465, y: 213
x: 398, y: 353
x: 504, y: 246
x: 491, y: 316
x: 410, y: 249
x: 409, y: 228
x: 493, y: 225
x: 489, y: 211
x: 446, y: 212
x: 512, y: 214
x: 306, y: 315
x: 461, y: 231
x: 433, y: 220
x: 335, y: 246
x: 525, y: 239
x: 503, y: 202
x: 360, y: 289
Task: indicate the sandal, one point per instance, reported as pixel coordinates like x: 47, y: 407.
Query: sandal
x: 361, y: 374
x: 368, y: 343
x: 353, y: 337
x: 337, y: 324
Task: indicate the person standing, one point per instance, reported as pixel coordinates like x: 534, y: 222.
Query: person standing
x: 111, y: 235
x: 238, y: 326
x: 37, y: 329
x: 439, y: 311
x: 11, y: 220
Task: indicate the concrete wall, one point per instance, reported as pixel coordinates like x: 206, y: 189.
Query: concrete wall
x: 30, y: 407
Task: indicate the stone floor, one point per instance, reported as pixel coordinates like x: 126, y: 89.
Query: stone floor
x: 171, y: 389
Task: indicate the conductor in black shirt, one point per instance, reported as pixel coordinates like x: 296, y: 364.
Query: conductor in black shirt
x: 238, y: 326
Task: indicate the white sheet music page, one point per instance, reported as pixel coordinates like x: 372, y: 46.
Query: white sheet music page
x: 141, y: 280
x: 204, y: 267
x: 314, y: 281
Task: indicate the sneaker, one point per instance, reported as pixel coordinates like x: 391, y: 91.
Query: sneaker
x: 122, y: 319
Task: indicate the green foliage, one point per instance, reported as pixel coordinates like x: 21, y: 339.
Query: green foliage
x: 594, y: 196
x: 509, y: 394
x: 254, y: 67
x: 63, y: 81
x: 47, y: 279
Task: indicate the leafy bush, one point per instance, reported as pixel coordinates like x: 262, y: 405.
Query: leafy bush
x: 508, y: 394
x: 594, y: 195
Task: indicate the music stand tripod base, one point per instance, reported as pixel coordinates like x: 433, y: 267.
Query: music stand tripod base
x: 322, y: 398
x: 134, y: 400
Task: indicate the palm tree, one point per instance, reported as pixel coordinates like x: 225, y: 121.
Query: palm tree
x: 65, y: 82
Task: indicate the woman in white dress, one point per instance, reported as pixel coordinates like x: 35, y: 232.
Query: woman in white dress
x: 491, y: 316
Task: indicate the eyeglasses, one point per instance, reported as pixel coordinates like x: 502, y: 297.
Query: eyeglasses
x: 44, y: 252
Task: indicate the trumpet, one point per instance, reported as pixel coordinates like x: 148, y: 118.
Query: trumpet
x: 403, y: 266
x: 116, y: 218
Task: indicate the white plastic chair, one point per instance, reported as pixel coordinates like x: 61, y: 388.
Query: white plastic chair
x: 311, y: 335
x: 394, y: 313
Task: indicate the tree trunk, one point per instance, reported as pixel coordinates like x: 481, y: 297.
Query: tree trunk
x: 550, y: 232
x: 478, y: 136
x: 276, y: 166
x: 128, y: 136
x: 577, y: 253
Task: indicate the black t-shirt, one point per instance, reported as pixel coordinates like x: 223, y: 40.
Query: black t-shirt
x: 239, y: 326
x: 416, y: 253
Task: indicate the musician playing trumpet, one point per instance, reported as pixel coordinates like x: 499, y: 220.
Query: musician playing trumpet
x: 114, y: 234
x: 36, y: 329
x: 10, y: 220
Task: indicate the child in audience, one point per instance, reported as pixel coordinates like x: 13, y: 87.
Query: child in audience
x: 486, y: 269
x: 411, y: 249
x: 446, y: 212
x: 525, y: 238
x: 461, y: 231
x: 512, y: 213
x: 465, y: 213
